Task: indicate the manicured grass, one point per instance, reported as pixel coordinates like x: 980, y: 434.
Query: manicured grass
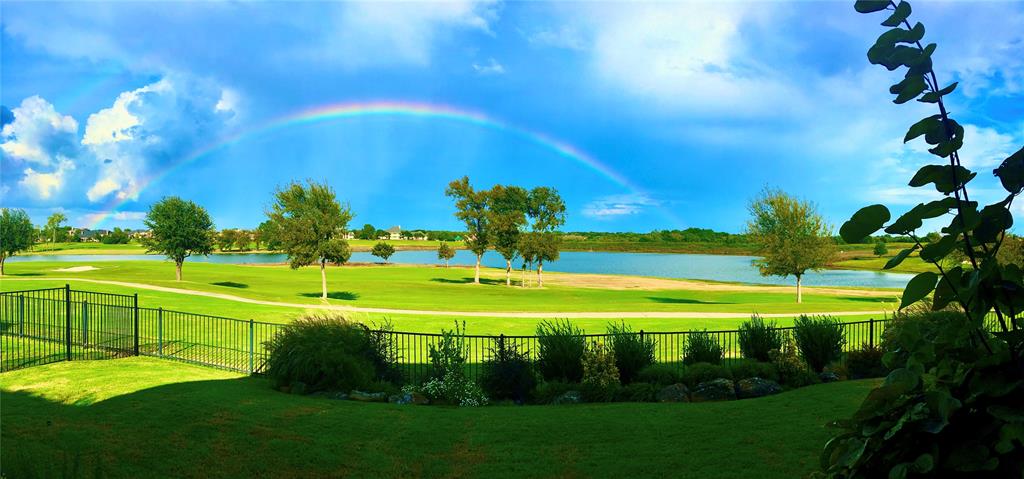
x: 912, y: 264
x: 440, y: 289
x: 86, y: 248
x: 143, y: 417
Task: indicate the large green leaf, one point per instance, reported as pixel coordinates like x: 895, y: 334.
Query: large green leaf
x: 933, y: 252
x: 934, y: 96
x: 908, y: 89
x: 1011, y: 172
x: 869, y: 6
x: 898, y: 16
x: 923, y: 126
x: 942, y: 176
x: 995, y: 219
x: 918, y: 287
x: 945, y: 291
x: 864, y: 223
x: 896, y: 260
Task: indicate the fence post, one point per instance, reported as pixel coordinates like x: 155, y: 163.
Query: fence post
x: 21, y: 315
x: 871, y: 333
x: 135, y: 321
x: 85, y: 323
x: 67, y: 321
x: 160, y: 331
x: 251, y: 348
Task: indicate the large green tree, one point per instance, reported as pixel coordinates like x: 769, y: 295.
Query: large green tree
x: 472, y: 208
x: 16, y: 234
x: 791, y: 236
x: 55, y: 225
x: 312, y: 224
x: 383, y: 251
x: 546, y: 211
x: 179, y: 229
x: 367, y: 232
x: 507, y: 218
x: 268, y: 233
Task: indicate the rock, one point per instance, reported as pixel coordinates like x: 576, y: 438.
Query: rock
x: 714, y: 390
x: 415, y: 399
x: 756, y: 387
x: 828, y: 377
x: 569, y: 397
x: 357, y: 395
x: 675, y: 393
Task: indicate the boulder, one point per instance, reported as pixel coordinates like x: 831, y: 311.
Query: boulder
x: 828, y: 377
x: 415, y: 399
x: 569, y: 397
x: 756, y: 387
x: 675, y: 393
x: 363, y: 396
x: 714, y: 390
x: 330, y: 395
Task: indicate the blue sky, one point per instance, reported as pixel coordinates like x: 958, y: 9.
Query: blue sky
x: 696, y: 105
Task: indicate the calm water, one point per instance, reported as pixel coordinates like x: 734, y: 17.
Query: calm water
x: 683, y: 266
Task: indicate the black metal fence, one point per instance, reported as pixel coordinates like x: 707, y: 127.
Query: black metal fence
x: 61, y: 324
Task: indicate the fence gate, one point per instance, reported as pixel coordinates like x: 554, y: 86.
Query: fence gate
x: 58, y: 324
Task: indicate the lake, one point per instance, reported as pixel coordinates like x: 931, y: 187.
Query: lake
x: 682, y: 266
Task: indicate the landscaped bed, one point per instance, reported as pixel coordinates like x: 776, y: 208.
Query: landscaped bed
x: 142, y: 417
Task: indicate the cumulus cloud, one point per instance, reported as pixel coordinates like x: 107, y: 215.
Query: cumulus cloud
x: 44, y: 185
x: 491, y: 67
x: 612, y: 206
x: 37, y: 133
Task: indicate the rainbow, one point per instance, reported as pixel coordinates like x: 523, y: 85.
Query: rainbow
x: 341, y: 111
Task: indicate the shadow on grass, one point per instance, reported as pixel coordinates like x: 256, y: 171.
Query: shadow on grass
x: 870, y: 299
x: 230, y: 284
x: 468, y: 280
x: 342, y: 295
x: 661, y: 299
x: 23, y: 274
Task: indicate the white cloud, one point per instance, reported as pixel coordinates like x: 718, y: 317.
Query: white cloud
x: 986, y: 148
x: 565, y: 36
x: 612, y: 206
x: 44, y: 185
x: 382, y: 33
x: 38, y: 133
x: 491, y: 67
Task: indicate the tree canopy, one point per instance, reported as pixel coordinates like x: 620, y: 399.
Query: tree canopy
x: 16, y: 234
x: 507, y: 210
x: 471, y: 208
x: 445, y: 252
x: 179, y: 229
x: 383, y: 251
x: 790, y: 234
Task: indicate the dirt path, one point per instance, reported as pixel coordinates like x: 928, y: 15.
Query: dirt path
x: 493, y: 314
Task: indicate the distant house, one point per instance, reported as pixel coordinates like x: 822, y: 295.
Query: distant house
x: 139, y: 234
x: 93, y: 235
x: 349, y: 235
x: 394, y: 232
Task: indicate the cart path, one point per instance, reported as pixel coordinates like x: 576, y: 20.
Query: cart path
x: 493, y: 314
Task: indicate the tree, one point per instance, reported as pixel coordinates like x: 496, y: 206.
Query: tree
x: 546, y: 209
x: 117, y: 236
x: 367, y: 232
x: 383, y: 251
x: 54, y: 224
x: 243, y: 238
x: 445, y: 252
x: 268, y: 233
x: 381, y: 234
x: 471, y: 208
x: 507, y: 216
x: 529, y: 249
x: 953, y: 403
x: 312, y: 225
x: 16, y: 234
x: 792, y: 237
x: 226, y: 239
x: 179, y: 229
x: 880, y: 248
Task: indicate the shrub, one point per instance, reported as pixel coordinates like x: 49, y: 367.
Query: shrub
x: 757, y: 338
x: 793, y: 371
x: 453, y: 389
x: 599, y: 366
x: 660, y: 374
x: 448, y: 356
x: 323, y: 353
x: 638, y: 392
x: 697, y: 373
x: 866, y: 362
x: 701, y: 347
x: 509, y: 374
x: 820, y: 339
x: 548, y: 391
x: 386, y: 355
x: 921, y: 316
x: 632, y: 352
x: 560, y: 348
x: 747, y: 368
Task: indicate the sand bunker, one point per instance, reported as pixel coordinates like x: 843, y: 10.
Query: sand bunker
x: 77, y: 269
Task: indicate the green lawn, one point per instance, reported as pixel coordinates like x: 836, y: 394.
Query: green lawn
x: 436, y: 289
x: 142, y: 417
x: 912, y: 264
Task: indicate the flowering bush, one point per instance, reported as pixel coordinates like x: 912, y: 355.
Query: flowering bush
x: 453, y: 388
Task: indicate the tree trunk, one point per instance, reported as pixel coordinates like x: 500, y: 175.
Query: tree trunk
x: 3, y: 259
x: 540, y: 274
x: 177, y: 270
x: 476, y: 277
x: 508, y: 272
x: 524, y: 276
x: 323, y: 279
x: 799, y: 292
x: 445, y: 264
